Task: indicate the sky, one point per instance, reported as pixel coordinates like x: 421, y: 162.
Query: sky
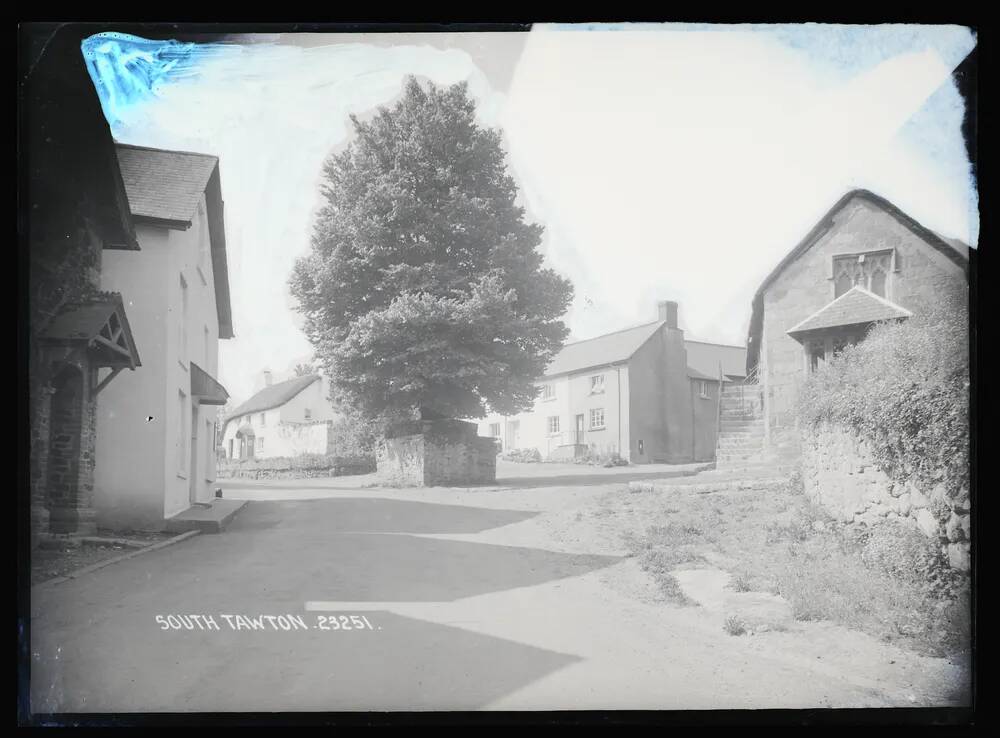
x: 666, y: 162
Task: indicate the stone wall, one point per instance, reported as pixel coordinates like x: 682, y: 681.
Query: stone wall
x: 839, y: 474
x: 444, y: 452
x: 308, y: 467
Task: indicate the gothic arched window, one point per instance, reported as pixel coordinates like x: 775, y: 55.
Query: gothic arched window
x: 870, y: 270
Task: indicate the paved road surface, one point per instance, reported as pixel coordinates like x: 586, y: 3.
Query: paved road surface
x: 472, y: 606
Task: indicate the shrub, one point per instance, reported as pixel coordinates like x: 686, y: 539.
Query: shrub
x: 905, y: 391
x: 523, y: 455
x: 734, y: 626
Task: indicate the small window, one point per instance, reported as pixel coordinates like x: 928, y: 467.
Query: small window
x: 495, y: 430
x: 182, y: 415
x: 597, y: 384
x: 203, y: 239
x: 182, y: 336
x: 703, y: 388
x: 597, y: 418
x: 262, y: 419
x: 553, y: 423
x: 817, y: 355
x: 260, y: 443
x: 210, y: 448
x: 548, y: 392
x: 308, y: 414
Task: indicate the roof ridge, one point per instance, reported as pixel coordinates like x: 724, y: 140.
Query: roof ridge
x: 620, y: 330
x: 166, y: 151
x: 856, y: 288
x: 714, y: 343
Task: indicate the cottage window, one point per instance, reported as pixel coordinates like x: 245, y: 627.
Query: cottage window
x: 210, y: 448
x: 816, y: 353
x: 597, y: 384
x: 262, y: 418
x: 203, y: 241
x: 307, y: 413
x: 182, y: 411
x: 869, y: 270
x: 548, y: 392
x: 182, y: 342
x: 553, y: 422
x: 260, y: 443
x: 495, y: 430
x: 703, y: 388
x: 596, y: 418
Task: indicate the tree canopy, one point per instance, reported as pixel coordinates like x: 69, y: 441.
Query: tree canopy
x: 424, y: 286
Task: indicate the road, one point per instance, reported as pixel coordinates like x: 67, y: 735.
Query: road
x: 498, y: 598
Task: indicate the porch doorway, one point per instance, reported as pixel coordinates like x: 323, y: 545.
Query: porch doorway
x: 578, y: 440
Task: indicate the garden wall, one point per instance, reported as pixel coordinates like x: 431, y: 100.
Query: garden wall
x: 839, y: 473
x: 305, y: 466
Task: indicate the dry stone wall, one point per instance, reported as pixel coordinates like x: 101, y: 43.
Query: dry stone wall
x: 839, y: 473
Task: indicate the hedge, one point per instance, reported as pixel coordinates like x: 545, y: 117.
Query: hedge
x: 905, y: 391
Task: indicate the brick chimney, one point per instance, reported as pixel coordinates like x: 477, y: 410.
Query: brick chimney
x: 668, y: 312
x: 267, y: 377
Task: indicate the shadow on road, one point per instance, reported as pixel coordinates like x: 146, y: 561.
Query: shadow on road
x: 375, y: 515
x: 581, y: 480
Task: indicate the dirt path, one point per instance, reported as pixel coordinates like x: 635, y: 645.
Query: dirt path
x: 633, y: 648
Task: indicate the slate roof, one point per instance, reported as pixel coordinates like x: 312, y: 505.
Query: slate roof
x: 705, y: 358
x: 273, y: 396
x: 854, y: 307
x: 606, y: 349
x: 695, y: 374
x: 165, y: 185
x: 84, y: 322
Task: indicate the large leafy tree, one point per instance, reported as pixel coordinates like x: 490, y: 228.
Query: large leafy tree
x: 424, y: 287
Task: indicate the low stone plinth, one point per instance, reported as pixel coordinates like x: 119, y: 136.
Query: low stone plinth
x: 437, y: 453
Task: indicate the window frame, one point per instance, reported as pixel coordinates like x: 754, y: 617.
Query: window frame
x: 597, y: 387
x: 182, y: 439
x: 182, y: 335
x: 892, y: 268
x: 604, y: 420
x: 548, y: 392
x: 548, y: 425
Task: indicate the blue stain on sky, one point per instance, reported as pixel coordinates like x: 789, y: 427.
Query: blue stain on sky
x: 129, y: 70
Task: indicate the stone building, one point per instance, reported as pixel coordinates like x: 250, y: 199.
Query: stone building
x: 865, y: 261
x: 156, y: 426
x: 282, y: 419
x: 77, y: 211
x: 644, y: 393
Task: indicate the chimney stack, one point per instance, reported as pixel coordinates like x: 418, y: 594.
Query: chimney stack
x: 267, y: 377
x: 668, y: 312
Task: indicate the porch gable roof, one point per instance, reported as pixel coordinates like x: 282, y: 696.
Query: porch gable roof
x: 857, y: 306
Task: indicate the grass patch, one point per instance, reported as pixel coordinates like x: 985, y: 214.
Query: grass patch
x: 734, y: 626
x: 877, y: 582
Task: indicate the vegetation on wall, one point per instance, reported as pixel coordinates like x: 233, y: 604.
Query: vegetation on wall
x: 905, y: 391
